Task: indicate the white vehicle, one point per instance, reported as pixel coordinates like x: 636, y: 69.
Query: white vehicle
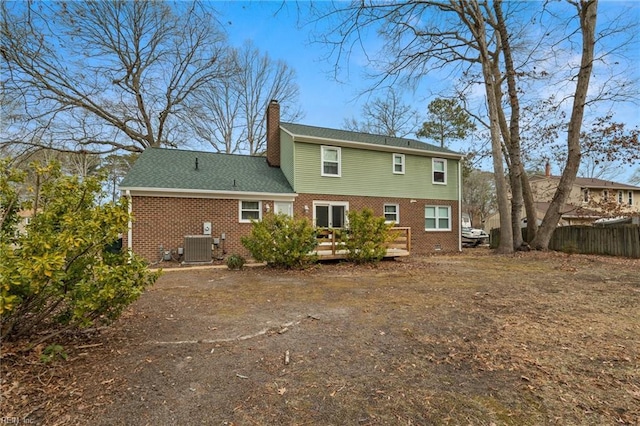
x: 471, y: 237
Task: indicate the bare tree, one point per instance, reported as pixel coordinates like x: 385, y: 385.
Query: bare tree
x: 635, y: 177
x: 215, y: 117
x: 607, y: 145
x: 587, y: 13
x: 478, y: 194
x: 230, y: 114
x: 107, y: 75
x: 387, y: 116
x: 260, y: 80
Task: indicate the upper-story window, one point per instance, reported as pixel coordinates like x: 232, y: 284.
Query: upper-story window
x: 439, y: 171
x: 330, y: 161
x: 630, y: 198
x: 605, y: 195
x: 586, y: 196
x: 620, y: 197
x: 398, y: 164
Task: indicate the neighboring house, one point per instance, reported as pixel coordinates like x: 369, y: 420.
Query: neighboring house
x: 308, y: 171
x: 590, y: 199
x: 589, y: 192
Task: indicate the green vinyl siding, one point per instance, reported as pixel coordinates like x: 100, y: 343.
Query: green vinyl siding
x: 370, y: 173
x: 286, y: 157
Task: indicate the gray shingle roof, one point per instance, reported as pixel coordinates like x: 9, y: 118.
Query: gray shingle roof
x: 591, y: 182
x: 176, y: 169
x: 349, y: 136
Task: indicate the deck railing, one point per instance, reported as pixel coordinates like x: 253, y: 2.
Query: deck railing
x: 331, y: 245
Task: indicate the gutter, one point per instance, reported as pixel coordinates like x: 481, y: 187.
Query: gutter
x: 129, y: 224
x: 460, y: 205
x: 208, y: 193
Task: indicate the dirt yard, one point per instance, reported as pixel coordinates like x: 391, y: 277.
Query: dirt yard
x: 470, y: 339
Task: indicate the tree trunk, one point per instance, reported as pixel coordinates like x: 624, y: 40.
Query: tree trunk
x: 506, y: 231
x: 512, y: 138
x: 529, y: 206
x: 587, y: 11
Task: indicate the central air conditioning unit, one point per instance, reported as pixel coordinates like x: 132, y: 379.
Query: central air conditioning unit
x: 197, y: 248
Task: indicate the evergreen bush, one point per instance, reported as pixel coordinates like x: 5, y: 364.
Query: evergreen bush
x: 235, y: 262
x: 282, y: 241
x: 368, y: 236
x: 57, y: 274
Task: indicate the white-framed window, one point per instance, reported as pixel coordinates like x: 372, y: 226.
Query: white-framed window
x: 330, y: 214
x: 630, y: 198
x: 439, y: 171
x: 330, y: 161
x: 605, y: 195
x: 392, y: 213
x: 620, y: 197
x: 398, y: 164
x: 283, y: 207
x: 437, y: 218
x: 250, y: 210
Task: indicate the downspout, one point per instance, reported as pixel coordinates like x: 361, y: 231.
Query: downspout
x: 129, y: 226
x: 459, y: 204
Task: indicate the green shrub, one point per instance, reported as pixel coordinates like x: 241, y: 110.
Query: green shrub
x: 368, y: 236
x: 57, y: 275
x: 235, y: 262
x: 52, y: 353
x: 282, y: 241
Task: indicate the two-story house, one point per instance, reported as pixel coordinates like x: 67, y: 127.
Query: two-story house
x: 590, y: 200
x: 315, y: 172
x: 590, y: 193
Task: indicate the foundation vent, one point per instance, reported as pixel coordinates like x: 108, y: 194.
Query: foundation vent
x: 197, y: 248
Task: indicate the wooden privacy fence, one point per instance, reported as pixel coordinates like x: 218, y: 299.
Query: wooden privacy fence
x: 614, y: 240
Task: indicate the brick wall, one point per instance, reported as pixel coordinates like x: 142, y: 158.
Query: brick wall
x: 411, y: 215
x: 165, y: 221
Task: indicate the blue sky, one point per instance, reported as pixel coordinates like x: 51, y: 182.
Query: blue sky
x: 274, y: 27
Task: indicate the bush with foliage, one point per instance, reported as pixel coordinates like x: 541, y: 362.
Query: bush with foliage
x: 57, y: 275
x: 368, y: 236
x: 10, y: 203
x: 235, y: 262
x: 282, y: 241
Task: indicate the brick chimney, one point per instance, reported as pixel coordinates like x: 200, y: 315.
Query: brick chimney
x: 547, y: 170
x: 273, y: 133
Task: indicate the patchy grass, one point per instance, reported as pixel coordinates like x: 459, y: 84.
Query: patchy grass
x: 529, y: 339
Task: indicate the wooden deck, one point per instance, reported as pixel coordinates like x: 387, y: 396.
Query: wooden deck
x: 330, y: 247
